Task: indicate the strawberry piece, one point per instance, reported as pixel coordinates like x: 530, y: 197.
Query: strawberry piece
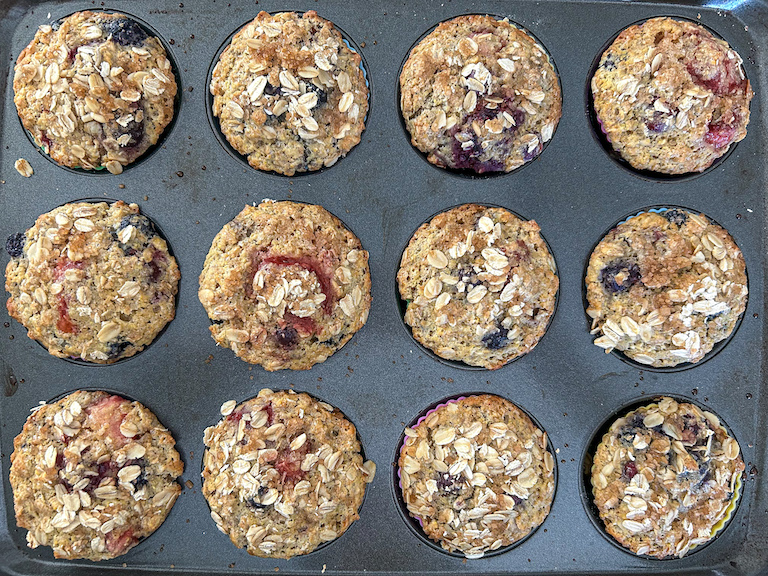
x: 108, y: 414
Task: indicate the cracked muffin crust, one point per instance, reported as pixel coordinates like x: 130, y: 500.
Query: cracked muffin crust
x: 285, y: 285
x: 289, y: 93
x: 670, y: 97
x: 92, y: 475
x: 480, y: 285
x: 94, y: 90
x: 92, y: 281
x: 283, y: 473
x: 477, y: 475
x: 664, y: 288
x: 664, y: 478
x: 479, y: 94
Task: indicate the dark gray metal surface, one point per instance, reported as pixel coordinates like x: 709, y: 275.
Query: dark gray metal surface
x: 192, y: 186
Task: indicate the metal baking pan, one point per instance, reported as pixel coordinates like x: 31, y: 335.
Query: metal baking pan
x: 191, y: 186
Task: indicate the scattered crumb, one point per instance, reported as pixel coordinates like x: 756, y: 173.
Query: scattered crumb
x: 189, y: 484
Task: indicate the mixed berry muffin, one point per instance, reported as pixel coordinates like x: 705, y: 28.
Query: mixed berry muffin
x: 94, y: 90
x: 665, y: 477
x: 285, y: 285
x: 289, y: 93
x: 92, y: 281
x: 480, y: 94
x: 92, y: 475
x: 664, y: 288
x: 480, y: 285
x: 476, y: 474
x: 670, y: 97
x: 283, y: 473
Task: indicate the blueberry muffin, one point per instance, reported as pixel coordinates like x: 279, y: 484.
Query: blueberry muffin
x: 670, y: 97
x: 476, y: 474
x: 479, y: 285
x: 283, y: 473
x: 285, y: 285
x: 664, y: 288
x: 665, y: 477
x: 92, y: 281
x: 94, y: 90
x: 92, y: 475
x: 289, y: 93
x: 479, y: 94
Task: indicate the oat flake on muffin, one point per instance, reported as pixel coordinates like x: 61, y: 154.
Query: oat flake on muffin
x: 94, y: 90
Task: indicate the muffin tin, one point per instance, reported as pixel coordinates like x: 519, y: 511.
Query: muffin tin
x: 191, y: 186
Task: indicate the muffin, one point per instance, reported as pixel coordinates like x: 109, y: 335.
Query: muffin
x: 664, y: 287
x: 664, y: 477
x: 92, y: 281
x: 476, y: 474
x: 479, y: 94
x: 289, y: 93
x: 283, y: 473
x: 285, y: 285
x: 94, y: 90
x: 670, y: 97
x: 479, y: 285
x: 92, y: 475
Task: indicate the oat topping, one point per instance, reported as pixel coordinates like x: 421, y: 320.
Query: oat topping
x: 664, y: 288
x: 477, y: 474
x: 93, y: 281
x: 480, y: 94
x: 289, y: 82
x: 285, y: 285
x: 480, y: 285
x: 283, y: 473
x: 670, y: 97
x: 84, y: 487
x: 665, y: 477
x: 95, y: 90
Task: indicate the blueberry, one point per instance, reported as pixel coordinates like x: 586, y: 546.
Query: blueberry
x: 496, y: 340
x: 530, y: 154
x: 619, y: 276
x: 322, y: 96
x: 468, y: 275
x: 711, y: 317
x: 287, y: 337
x: 142, y: 224
x: 117, y: 348
x: 251, y: 503
x: 14, y: 245
x: 135, y: 130
x: 675, y: 216
x: 270, y: 90
x: 125, y: 32
x: 658, y: 123
x: 609, y: 63
x: 449, y: 484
